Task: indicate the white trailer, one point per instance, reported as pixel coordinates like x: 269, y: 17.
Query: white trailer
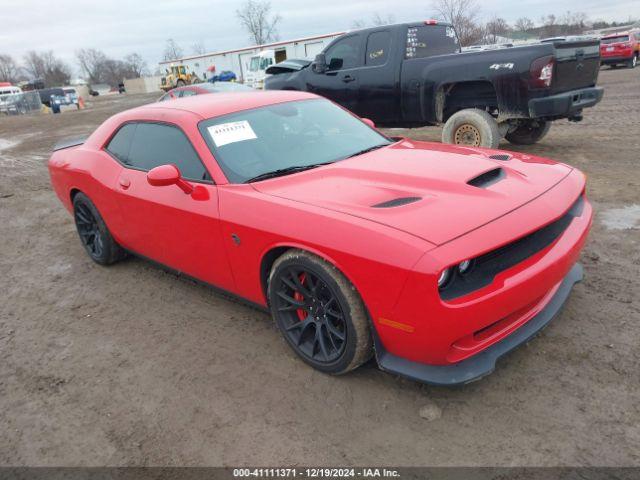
x: 249, y: 63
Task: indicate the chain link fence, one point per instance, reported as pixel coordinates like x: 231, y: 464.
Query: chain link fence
x: 20, y: 103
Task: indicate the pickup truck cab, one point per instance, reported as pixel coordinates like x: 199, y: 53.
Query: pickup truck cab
x: 412, y: 75
x: 620, y: 49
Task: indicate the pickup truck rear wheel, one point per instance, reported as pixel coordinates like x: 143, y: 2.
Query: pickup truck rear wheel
x: 528, y: 132
x: 472, y: 127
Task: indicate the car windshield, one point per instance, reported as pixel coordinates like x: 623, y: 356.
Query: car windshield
x: 621, y: 38
x: 286, y: 137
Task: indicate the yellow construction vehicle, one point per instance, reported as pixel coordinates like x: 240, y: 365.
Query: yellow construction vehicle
x: 177, y: 76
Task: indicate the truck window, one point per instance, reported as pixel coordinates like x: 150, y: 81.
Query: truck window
x: 429, y: 40
x: 344, y: 53
x: 255, y: 64
x: 378, y: 45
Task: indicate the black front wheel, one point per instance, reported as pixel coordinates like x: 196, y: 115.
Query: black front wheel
x: 319, y: 313
x: 94, y: 234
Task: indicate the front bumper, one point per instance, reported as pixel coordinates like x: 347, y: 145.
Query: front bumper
x: 565, y: 104
x: 484, y: 362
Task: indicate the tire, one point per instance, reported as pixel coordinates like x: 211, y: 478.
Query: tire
x: 471, y: 127
x: 330, y: 328
x: 529, y: 133
x: 180, y: 83
x: 633, y: 62
x: 93, y: 232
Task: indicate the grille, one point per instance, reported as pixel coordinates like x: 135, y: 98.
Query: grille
x: 487, y: 266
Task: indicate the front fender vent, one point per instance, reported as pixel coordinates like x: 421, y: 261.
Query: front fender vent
x: 487, y: 179
x: 397, y: 202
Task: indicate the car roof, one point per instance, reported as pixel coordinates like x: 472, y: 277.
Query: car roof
x: 223, y: 103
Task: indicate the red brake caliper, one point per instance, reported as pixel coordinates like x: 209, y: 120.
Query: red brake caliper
x: 301, y: 312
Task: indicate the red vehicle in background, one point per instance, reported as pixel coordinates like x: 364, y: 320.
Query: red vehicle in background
x: 204, y: 88
x: 620, y: 49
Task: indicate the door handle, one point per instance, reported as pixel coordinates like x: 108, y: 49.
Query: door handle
x: 348, y: 78
x: 124, y: 183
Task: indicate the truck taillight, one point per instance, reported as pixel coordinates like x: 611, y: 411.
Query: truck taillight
x: 541, y: 72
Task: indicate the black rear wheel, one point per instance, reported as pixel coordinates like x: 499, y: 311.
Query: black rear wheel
x: 94, y: 234
x: 319, y: 313
x: 528, y: 132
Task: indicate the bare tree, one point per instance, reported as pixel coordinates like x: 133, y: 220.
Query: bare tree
x: 8, y: 69
x: 92, y: 63
x: 198, y: 48
x: 255, y: 17
x: 135, y: 64
x: 550, y: 27
x: 496, y: 27
x: 172, y: 51
x: 47, y: 67
x: 358, y: 24
x: 574, y: 23
x: 463, y: 15
x: 524, y: 24
x: 378, y: 20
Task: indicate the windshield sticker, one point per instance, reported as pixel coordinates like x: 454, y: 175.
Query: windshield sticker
x: 233, y: 132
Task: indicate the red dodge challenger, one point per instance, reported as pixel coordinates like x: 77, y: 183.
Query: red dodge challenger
x: 433, y: 258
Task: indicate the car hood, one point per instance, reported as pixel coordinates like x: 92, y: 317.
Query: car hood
x: 434, y: 191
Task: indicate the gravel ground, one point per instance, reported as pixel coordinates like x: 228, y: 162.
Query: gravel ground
x: 131, y: 365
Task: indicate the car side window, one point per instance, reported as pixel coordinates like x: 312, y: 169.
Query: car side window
x: 378, y: 45
x: 156, y: 144
x: 121, y: 142
x: 343, y: 54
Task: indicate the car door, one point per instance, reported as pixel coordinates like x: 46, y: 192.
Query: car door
x: 378, y: 88
x: 179, y: 230
x: 340, y: 81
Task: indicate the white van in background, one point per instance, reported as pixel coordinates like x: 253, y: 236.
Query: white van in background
x: 9, y: 99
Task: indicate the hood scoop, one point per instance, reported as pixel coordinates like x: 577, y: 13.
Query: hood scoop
x: 487, y: 179
x: 397, y: 202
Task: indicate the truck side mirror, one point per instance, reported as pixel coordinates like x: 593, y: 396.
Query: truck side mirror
x: 320, y: 63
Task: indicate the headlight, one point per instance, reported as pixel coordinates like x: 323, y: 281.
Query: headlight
x: 444, y: 277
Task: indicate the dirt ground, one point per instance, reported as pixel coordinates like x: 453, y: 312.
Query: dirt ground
x: 130, y: 365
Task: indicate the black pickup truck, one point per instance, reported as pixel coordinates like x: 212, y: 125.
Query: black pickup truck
x: 412, y: 75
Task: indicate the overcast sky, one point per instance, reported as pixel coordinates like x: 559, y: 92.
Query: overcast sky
x: 119, y: 27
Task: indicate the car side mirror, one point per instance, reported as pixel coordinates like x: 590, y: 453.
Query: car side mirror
x: 369, y: 122
x: 166, y: 175
x: 320, y: 63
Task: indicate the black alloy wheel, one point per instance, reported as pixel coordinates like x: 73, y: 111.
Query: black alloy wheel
x: 319, y: 313
x: 94, y: 234
x: 312, y: 317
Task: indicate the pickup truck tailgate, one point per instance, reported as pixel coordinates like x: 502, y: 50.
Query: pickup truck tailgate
x: 577, y: 65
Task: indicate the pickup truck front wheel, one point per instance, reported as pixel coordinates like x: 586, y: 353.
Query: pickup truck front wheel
x: 472, y: 127
x: 529, y: 132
